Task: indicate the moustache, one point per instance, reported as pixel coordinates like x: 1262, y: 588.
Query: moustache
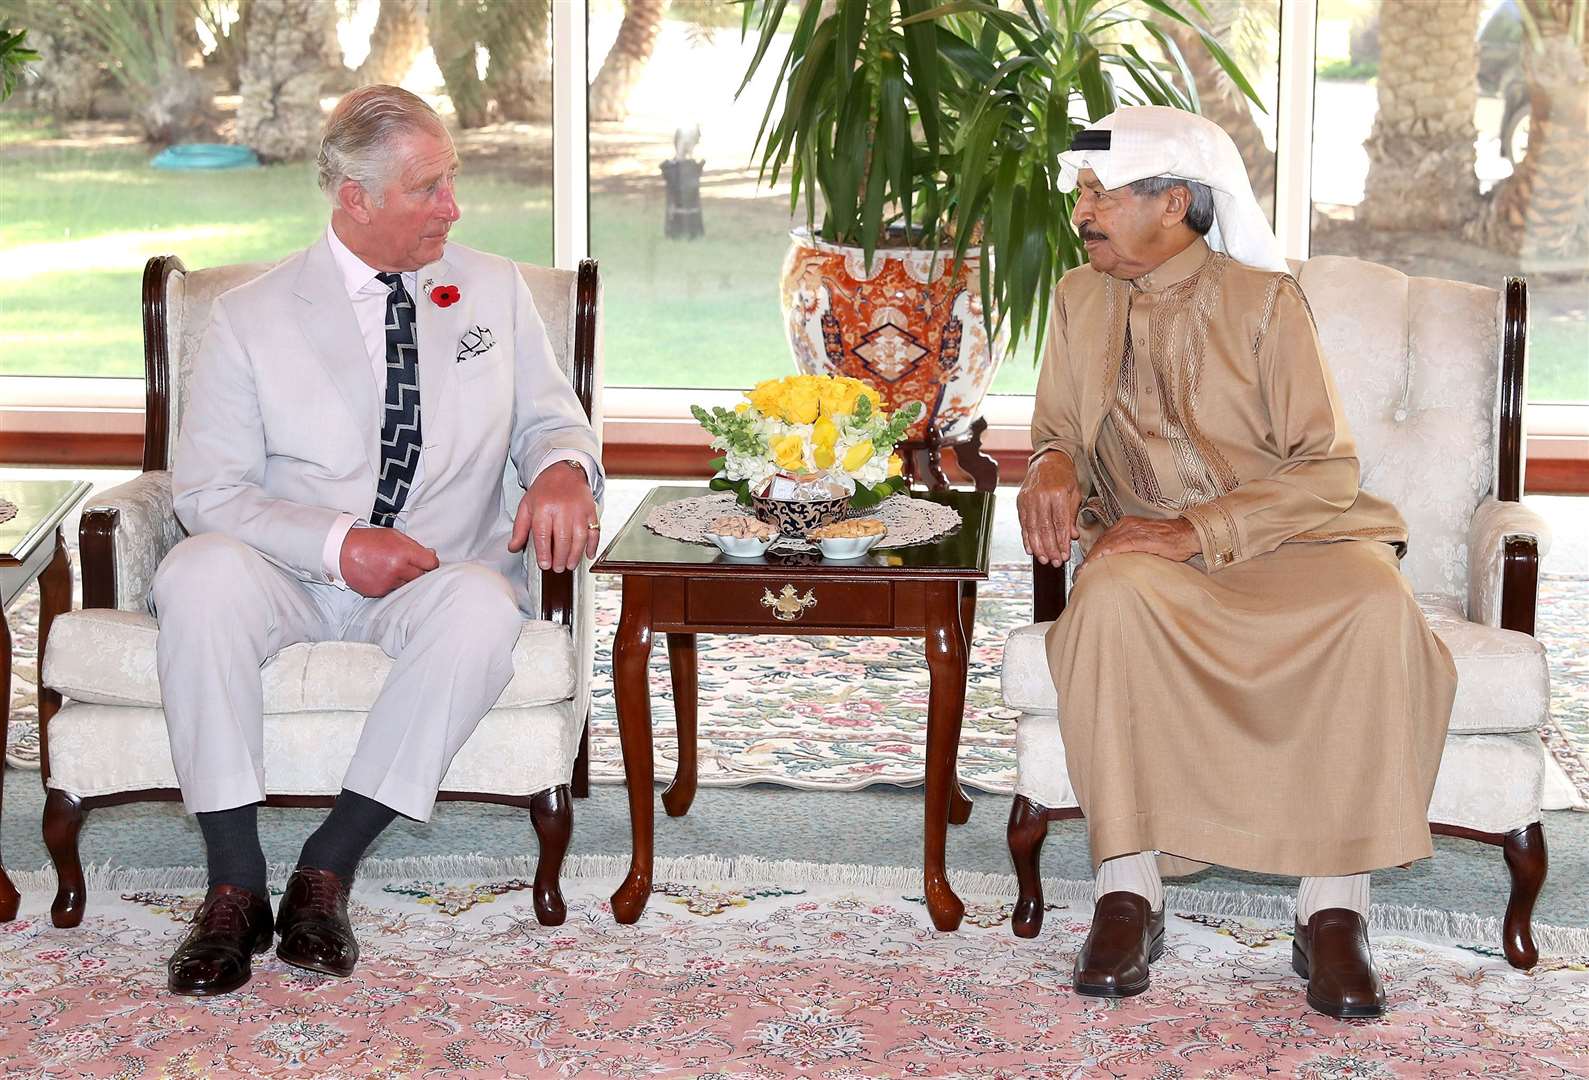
x: 1087, y: 234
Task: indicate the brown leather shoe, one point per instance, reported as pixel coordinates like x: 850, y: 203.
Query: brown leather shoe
x: 313, y: 922
x: 216, y: 957
x: 1124, y: 938
x: 1331, y: 952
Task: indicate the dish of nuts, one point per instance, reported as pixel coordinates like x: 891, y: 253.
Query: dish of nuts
x: 742, y: 527
x: 851, y: 529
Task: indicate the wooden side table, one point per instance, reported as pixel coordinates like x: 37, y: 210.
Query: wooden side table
x: 927, y: 591
x: 27, y: 555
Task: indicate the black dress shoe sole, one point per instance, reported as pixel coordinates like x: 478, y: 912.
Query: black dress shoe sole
x: 1115, y: 990
x: 1299, y: 964
x: 217, y: 989
x: 306, y: 964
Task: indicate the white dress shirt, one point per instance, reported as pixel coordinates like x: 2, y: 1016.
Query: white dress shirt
x: 368, y: 296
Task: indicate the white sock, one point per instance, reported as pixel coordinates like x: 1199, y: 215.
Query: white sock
x: 1137, y: 873
x: 1318, y: 893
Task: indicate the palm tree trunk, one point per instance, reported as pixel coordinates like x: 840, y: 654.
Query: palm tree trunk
x: 1420, y: 154
x: 399, y: 37
x: 1542, y: 209
x: 454, y: 33
x: 637, y: 36
x: 519, y: 77
x: 289, y: 59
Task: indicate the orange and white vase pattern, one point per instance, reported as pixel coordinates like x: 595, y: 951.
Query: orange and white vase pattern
x: 907, y: 327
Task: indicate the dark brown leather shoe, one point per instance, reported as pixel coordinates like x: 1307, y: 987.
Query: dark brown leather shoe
x: 217, y: 955
x: 313, y: 923
x: 1124, y: 938
x: 1331, y: 952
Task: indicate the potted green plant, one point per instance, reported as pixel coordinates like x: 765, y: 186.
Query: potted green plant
x: 918, y: 136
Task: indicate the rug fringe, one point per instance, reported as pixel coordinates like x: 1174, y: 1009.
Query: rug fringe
x: 1428, y: 923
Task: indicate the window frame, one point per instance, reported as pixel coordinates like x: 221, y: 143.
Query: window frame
x: 44, y: 418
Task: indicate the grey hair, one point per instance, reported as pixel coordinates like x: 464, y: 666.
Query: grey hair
x: 1199, y: 212
x: 356, y: 143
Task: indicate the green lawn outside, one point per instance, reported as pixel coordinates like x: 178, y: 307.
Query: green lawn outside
x: 78, y: 224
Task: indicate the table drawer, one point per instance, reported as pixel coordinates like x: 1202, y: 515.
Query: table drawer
x: 789, y: 601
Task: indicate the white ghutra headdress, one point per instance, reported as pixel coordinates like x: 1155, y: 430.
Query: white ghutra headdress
x: 1139, y: 141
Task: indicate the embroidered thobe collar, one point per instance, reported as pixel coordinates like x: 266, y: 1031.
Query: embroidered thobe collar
x: 1174, y: 270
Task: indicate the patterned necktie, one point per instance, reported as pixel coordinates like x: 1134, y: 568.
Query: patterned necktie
x: 400, y: 432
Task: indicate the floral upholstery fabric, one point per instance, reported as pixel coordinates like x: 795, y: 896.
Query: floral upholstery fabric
x: 1493, y: 524
x: 1417, y: 362
x: 102, y: 749
x: 146, y: 529
x: 108, y: 657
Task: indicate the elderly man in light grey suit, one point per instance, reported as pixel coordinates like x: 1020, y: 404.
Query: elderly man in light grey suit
x: 341, y: 472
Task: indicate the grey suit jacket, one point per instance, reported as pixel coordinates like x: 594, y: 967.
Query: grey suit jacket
x: 281, y: 433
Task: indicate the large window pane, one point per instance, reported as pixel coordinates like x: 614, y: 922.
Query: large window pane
x: 683, y: 311
x: 81, y: 207
x: 1426, y: 156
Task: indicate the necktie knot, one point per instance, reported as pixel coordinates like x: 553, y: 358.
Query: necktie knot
x: 393, y: 281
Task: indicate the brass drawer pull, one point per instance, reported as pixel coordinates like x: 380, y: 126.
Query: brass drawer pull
x: 788, y: 605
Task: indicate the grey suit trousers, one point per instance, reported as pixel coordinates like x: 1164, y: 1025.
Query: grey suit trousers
x: 224, y: 609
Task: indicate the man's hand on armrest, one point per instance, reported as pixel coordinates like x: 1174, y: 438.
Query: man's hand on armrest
x: 559, y: 513
x: 376, y: 561
x: 1047, y: 505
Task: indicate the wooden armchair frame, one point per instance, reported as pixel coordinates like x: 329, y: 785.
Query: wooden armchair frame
x: 551, y: 812
x: 1523, y: 849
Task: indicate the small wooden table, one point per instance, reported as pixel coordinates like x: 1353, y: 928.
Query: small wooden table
x: 681, y: 589
x: 25, y: 557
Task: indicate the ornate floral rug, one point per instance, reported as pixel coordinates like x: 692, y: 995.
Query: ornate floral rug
x: 848, y: 712
x: 747, y: 970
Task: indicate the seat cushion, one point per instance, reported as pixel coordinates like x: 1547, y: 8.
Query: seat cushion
x: 1503, y: 683
x: 106, y: 749
x: 108, y: 657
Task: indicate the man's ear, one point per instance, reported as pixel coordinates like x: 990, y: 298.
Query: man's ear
x: 1177, y: 201
x: 354, y: 201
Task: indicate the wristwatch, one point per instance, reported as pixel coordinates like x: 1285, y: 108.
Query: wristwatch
x: 576, y: 465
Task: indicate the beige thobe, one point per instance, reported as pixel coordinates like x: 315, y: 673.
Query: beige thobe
x: 1278, y: 703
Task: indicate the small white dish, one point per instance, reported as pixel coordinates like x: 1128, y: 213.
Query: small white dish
x: 741, y: 547
x: 847, y: 547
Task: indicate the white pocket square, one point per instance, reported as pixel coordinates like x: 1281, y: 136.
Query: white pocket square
x: 474, y: 343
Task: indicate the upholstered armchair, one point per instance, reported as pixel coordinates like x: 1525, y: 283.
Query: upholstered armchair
x: 1431, y: 375
x: 102, y: 728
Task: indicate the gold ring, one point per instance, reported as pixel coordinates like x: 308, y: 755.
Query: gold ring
x: 593, y: 525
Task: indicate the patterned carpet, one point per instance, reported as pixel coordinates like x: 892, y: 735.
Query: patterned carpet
x: 843, y: 713
x: 747, y: 972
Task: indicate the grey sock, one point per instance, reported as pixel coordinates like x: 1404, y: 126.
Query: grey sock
x: 231, y: 848
x: 347, y: 832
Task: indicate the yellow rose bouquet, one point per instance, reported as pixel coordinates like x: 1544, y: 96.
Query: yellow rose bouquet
x: 809, y: 427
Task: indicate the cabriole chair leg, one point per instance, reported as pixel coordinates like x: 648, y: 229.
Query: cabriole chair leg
x: 1026, y: 831
x: 1526, y: 860
x: 552, y: 813
x: 63, y: 818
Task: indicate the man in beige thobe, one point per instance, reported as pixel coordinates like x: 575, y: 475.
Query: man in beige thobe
x: 1244, y: 677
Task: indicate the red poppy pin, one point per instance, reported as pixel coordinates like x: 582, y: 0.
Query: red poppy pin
x: 445, y: 295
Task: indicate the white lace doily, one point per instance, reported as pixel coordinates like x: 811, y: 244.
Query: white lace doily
x: 910, y: 521
x: 8, y: 510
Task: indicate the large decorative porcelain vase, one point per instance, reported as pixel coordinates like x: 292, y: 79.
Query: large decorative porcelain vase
x: 906, y: 326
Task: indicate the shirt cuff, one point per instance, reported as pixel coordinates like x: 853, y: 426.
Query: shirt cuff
x: 331, y: 554
x: 585, y: 461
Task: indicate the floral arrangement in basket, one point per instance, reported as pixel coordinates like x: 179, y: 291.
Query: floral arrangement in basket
x: 806, y: 428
